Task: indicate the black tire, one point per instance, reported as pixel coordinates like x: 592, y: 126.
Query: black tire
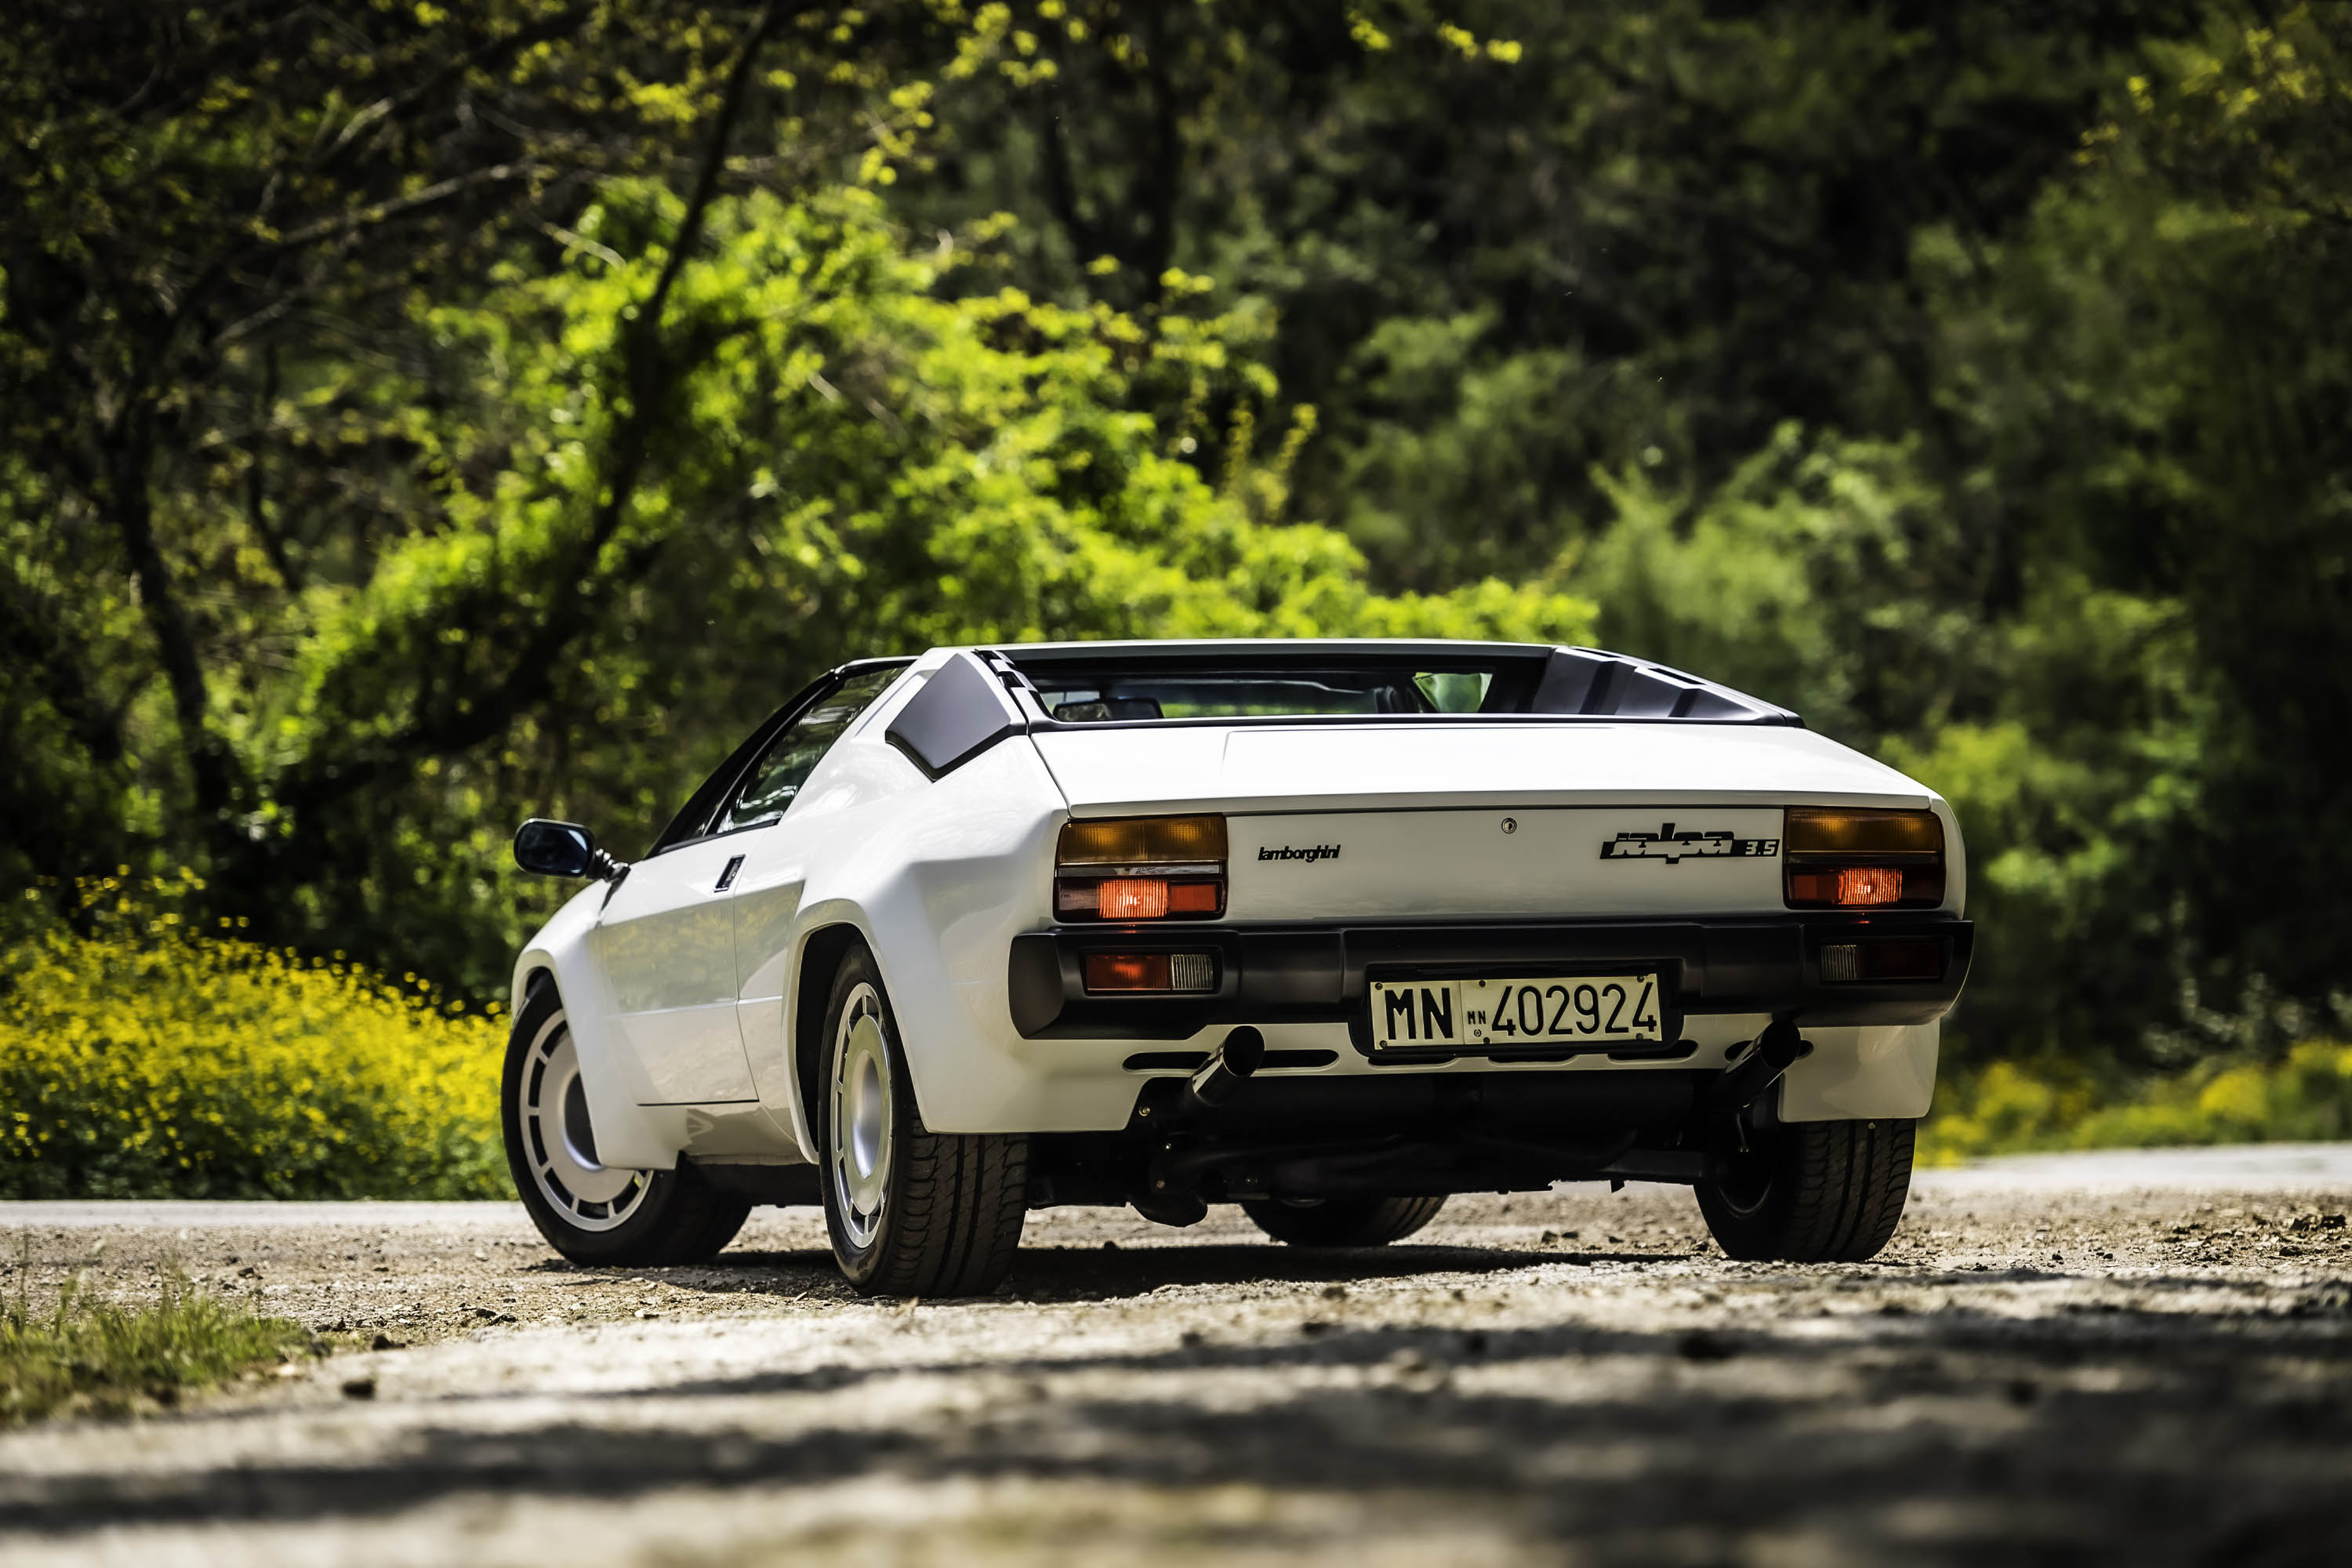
x: 1813, y: 1191
x: 911, y: 1211
x: 654, y: 1218
x: 1359, y: 1221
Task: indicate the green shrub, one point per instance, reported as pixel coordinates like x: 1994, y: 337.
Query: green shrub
x: 139, y: 1059
x: 2009, y: 1109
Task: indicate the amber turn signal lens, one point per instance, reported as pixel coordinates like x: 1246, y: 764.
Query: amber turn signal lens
x: 1862, y: 887
x: 1132, y: 899
x: 1144, y: 841
x: 1819, y: 831
x: 1870, y: 885
x: 1135, y: 897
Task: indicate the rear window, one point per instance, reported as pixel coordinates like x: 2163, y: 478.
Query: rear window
x: 1108, y: 696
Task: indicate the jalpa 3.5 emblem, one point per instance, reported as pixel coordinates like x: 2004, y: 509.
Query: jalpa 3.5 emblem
x: 1674, y: 847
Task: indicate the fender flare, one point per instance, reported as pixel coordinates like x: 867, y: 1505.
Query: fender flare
x: 624, y: 1135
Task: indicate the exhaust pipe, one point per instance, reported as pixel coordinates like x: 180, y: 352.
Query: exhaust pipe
x: 1240, y: 1055
x: 1171, y: 1200
x: 1745, y: 1081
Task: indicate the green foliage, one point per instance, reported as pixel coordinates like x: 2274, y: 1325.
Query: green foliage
x: 2008, y: 1108
x: 89, y: 1358
x: 420, y: 420
x: 150, y: 1059
x: 1813, y: 576
x: 855, y: 464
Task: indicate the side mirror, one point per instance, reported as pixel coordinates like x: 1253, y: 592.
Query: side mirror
x: 562, y: 850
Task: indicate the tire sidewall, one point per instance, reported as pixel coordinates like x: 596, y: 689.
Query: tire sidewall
x: 1824, y: 1199
x: 862, y: 1265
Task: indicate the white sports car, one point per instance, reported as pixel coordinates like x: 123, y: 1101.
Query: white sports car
x: 1331, y: 930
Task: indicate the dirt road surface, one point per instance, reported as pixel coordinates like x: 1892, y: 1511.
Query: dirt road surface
x: 2139, y: 1357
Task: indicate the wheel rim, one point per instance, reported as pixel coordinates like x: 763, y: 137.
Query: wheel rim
x: 862, y: 1120
x: 588, y: 1194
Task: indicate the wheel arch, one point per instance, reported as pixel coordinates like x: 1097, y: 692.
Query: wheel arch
x: 535, y: 975
x: 821, y: 951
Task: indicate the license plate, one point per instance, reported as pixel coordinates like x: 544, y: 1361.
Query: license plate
x: 1503, y: 1015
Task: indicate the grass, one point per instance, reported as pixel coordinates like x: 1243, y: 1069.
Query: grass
x: 84, y: 1358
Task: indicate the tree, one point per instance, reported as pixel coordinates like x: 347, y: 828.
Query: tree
x: 589, y: 414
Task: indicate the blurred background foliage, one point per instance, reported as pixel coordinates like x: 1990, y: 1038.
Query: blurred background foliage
x: 159, y: 1053
x: 413, y: 419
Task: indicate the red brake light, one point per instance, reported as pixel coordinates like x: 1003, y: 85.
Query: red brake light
x: 1195, y: 898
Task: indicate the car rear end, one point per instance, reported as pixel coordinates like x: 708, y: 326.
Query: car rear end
x: 1428, y: 952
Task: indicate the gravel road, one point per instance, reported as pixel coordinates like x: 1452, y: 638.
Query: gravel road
x: 2143, y: 1357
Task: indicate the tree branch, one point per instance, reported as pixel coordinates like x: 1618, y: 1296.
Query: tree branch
x: 646, y: 372
x: 128, y: 457
x: 346, y: 224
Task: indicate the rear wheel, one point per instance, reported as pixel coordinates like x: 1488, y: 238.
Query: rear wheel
x: 591, y: 1212
x: 911, y: 1211
x: 1358, y: 1221
x: 1813, y: 1191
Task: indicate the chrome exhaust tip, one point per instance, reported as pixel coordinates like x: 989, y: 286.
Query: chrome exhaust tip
x: 1243, y: 1053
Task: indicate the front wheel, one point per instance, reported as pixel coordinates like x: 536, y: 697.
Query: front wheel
x: 911, y: 1211
x: 1811, y: 1192
x: 591, y: 1212
x: 1361, y: 1221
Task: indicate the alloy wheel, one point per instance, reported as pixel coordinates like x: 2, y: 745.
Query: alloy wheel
x: 861, y: 1142
x: 561, y: 1144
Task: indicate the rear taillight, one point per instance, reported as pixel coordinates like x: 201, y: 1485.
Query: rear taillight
x: 1864, y: 860
x: 1141, y: 868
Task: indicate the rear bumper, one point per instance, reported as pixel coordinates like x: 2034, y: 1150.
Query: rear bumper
x: 1277, y: 974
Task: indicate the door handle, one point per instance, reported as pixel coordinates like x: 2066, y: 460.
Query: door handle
x: 727, y: 878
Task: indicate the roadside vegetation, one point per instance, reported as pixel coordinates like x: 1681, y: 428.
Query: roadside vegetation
x: 143, y: 1057
x: 416, y: 419
x: 84, y: 1358
x: 2007, y: 1108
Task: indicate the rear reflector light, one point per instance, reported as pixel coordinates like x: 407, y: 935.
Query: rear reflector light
x: 1845, y: 962
x: 1141, y: 868
x: 1861, y: 859
x: 1150, y: 971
